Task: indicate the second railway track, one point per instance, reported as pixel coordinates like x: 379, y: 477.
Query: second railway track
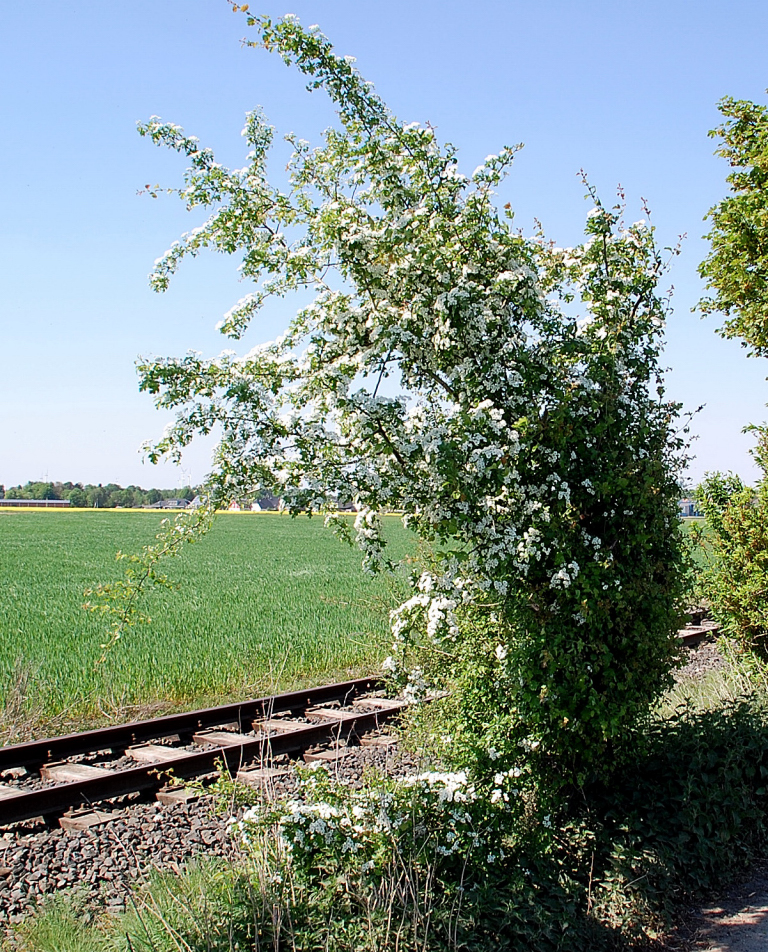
x: 47, y: 779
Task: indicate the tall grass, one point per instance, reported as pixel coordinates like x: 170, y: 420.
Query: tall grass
x: 263, y: 602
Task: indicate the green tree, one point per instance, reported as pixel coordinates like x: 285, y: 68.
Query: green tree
x: 736, y: 268
x: 97, y: 496
x: 43, y: 490
x: 78, y: 498
x: 535, y: 448
x: 736, y: 577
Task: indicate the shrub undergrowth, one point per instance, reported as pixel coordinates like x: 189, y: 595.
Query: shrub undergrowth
x: 735, y: 577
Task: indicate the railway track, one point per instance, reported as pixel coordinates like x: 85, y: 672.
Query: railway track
x: 694, y: 634
x: 50, y: 778
x: 53, y: 777
x: 109, y: 840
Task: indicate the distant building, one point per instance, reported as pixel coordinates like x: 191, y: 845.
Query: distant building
x: 35, y: 503
x: 170, y: 504
x: 688, y: 508
x: 266, y: 503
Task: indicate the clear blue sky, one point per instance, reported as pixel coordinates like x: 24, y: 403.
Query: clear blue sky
x: 624, y: 89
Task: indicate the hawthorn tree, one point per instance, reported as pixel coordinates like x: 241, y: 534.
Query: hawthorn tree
x: 523, y: 431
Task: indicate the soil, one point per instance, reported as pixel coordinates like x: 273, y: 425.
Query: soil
x: 736, y: 922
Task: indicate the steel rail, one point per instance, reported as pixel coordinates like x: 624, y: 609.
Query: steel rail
x: 33, y: 754
x: 55, y: 800
x: 693, y: 635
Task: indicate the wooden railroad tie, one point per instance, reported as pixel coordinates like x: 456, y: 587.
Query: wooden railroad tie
x: 260, y: 776
x: 378, y: 740
x: 152, y: 753
x: 220, y: 738
x: 331, y: 714
x: 278, y: 725
x: 170, y: 796
x: 331, y: 756
x: 71, y: 773
x: 382, y: 703
x: 77, y: 820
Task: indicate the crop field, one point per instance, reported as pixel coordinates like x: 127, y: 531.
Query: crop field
x: 263, y: 602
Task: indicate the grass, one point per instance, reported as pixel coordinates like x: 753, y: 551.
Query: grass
x: 702, y: 551
x: 210, y: 907
x: 263, y: 602
x: 707, y: 692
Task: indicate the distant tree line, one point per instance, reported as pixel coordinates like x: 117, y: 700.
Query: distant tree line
x: 108, y: 496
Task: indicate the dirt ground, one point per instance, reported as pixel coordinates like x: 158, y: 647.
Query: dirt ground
x: 737, y: 922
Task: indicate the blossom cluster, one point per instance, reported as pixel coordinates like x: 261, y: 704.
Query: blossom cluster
x: 434, y: 816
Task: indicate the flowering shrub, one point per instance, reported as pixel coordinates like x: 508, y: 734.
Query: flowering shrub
x: 389, y: 863
x: 503, y: 393
x: 462, y: 864
x: 442, y: 819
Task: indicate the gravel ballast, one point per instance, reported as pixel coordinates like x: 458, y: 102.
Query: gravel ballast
x: 107, y: 860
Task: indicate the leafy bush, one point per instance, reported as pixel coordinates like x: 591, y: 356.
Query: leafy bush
x: 430, y: 861
x: 461, y: 865
x: 685, y: 810
x: 735, y: 578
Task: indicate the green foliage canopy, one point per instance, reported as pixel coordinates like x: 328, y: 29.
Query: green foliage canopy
x: 736, y: 269
x: 736, y: 578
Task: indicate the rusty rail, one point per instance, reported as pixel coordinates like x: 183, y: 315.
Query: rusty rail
x: 57, y: 798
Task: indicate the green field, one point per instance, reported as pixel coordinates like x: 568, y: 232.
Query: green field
x: 262, y: 602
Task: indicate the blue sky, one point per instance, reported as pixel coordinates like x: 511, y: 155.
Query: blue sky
x: 625, y: 90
